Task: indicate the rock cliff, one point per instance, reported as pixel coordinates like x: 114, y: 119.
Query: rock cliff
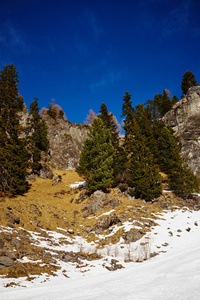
x: 66, y: 141
x: 184, y: 118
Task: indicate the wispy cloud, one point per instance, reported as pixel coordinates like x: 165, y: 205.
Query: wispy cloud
x: 177, y: 20
x: 94, y: 26
x: 105, y: 80
x: 11, y: 39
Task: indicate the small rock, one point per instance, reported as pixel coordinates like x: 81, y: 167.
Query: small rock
x: 107, y: 221
x: 94, y: 207
x: 128, y: 196
x: 31, y: 178
x: 153, y: 254
x: 70, y: 231
x: 6, y: 261
x: 114, y: 261
x: 114, y: 202
x: 46, y: 173
x: 132, y: 236
x: 98, y: 195
x: 10, y: 225
x: 195, y: 223
x: 14, y: 219
x: 188, y: 229
x: 17, y: 243
x: 196, y: 207
x: 1, y: 244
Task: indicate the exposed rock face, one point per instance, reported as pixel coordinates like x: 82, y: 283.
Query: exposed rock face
x: 66, y: 141
x: 184, y: 118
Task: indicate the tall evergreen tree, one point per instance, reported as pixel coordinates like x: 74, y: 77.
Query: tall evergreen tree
x: 142, y: 173
x: 38, y: 140
x: 174, y: 100
x: 182, y: 181
x: 166, y: 103
x: 119, y: 158
x: 96, y: 160
x: 13, y: 153
x: 108, y: 120
x: 146, y: 128
x: 188, y: 81
x: 158, y: 107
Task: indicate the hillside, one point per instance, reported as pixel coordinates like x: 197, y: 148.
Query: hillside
x: 174, y: 274
x: 58, y: 229
x: 54, y: 223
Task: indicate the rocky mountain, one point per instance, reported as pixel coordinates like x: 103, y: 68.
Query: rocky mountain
x: 66, y: 141
x: 184, y: 118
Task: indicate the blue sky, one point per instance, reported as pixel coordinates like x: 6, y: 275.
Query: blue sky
x: 83, y: 53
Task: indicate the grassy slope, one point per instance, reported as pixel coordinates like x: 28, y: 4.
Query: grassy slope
x: 50, y: 207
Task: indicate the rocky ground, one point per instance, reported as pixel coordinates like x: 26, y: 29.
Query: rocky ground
x: 55, y: 223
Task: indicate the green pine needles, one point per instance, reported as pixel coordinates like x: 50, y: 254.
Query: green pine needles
x: 18, y: 153
x: 96, y: 161
x: 107, y: 160
x: 37, y: 136
x: 143, y: 174
x: 149, y: 146
x: 13, y: 153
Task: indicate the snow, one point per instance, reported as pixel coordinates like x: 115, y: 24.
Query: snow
x: 78, y: 184
x: 173, y: 274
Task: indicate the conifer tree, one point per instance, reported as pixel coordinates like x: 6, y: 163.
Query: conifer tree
x: 182, y: 181
x: 119, y: 158
x: 38, y: 140
x: 108, y: 121
x: 166, y: 103
x: 188, y: 81
x: 96, y: 160
x: 174, y: 100
x: 158, y: 107
x: 142, y: 174
x: 146, y: 128
x: 13, y: 153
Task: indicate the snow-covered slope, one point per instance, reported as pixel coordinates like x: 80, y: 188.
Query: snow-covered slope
x: 173, y: 274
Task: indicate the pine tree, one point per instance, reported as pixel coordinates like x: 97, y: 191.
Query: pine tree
x: 119, y: 158
x: 108, y: 121
x: 38, y: 141
x: 146, y: 128
x: 174, y: 100
x: 51, y: 111
x: 13, y: 153
x: 188, y: 81
x: 166, y: 103
x: 182, y: 181
x: 142, y: 172
x: 158, y: 107
x: 96, y: 160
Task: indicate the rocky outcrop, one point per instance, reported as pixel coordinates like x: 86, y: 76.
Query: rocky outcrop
x: 184, y: 118
x: 66, y: 141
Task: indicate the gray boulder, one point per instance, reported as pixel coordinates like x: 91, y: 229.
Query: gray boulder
x: 132, y: 236
x: 6, y: 261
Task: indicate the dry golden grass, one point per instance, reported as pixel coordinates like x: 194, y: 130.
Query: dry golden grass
x: 51, y: 206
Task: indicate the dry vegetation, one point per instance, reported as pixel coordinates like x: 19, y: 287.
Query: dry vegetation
x: 51, y: 205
